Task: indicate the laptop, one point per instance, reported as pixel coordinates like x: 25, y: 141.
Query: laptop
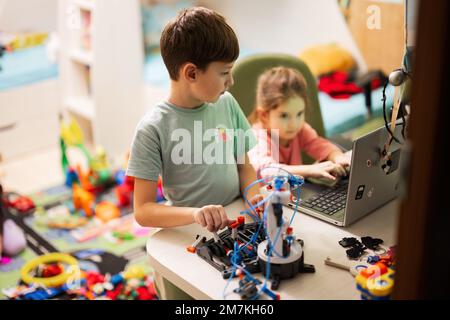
x: 367, y: 187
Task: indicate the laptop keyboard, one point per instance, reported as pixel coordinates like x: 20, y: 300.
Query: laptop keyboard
x: 330, y: 200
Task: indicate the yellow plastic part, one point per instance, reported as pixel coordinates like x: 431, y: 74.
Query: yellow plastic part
x: 55, y: 281
x: 27, y: 40
x: 71, y: 133
x: 381, y: 286
x: 377, y: 286
x: 136, y: 272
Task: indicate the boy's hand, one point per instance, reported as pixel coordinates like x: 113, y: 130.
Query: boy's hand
x: 328, y: 170
x: 213, y: 217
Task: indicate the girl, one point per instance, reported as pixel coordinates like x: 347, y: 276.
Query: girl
x: 282, y: 132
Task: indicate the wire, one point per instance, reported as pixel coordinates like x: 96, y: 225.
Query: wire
x: 255, y: 215
x: 403, y: 122
x: 234, y: 257
x: 278, y: 168
x: 296, y: 206
x: 237, y: 250
x: 386, y: 123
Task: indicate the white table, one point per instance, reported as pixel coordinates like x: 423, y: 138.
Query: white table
x: 170, y: 259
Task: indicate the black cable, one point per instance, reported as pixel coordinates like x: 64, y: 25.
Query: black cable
x: 403, y: 122
x: 386, y: 124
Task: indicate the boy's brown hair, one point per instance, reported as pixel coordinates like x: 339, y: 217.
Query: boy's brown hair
x: 198, y: 35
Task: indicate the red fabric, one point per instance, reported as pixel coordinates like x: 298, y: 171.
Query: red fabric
x: 338, y: 86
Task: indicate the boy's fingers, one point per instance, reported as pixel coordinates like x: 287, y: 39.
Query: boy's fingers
x: 224, y: 218
x: 209, y: 219
x: 201, y: 219
x: 216, y: 217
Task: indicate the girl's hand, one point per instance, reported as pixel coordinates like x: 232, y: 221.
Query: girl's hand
x: 342, y: 159
x: 328, y: 170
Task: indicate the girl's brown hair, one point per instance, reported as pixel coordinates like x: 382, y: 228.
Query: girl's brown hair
x: 276, y: 86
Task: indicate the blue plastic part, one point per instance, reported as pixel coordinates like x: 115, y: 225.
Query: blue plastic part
x: 119, y: 177
x: 278, y: 183
x: 117, y: 278
x: 71, y: 177
x: 373, y: 259
x: 270, y: 293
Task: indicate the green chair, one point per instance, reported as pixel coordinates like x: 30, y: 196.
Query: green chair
x: 247, y: 71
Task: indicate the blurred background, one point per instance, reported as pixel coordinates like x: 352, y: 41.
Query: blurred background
x: 77, y: 75
x: 98, y: 62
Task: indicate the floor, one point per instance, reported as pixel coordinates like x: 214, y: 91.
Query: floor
x: 42, y: 170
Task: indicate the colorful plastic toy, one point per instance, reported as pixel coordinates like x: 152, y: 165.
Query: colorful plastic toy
x: 20, y: 203
x: 53, y: 281
x: 376, y: 282
x: 83, y: 200
x: 106, y: 211
x: 98, y: 175
x: 69, y: 222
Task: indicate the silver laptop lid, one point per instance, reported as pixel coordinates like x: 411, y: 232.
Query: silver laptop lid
x: 371, y: 183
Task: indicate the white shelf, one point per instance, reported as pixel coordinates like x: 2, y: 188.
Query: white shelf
x: 87, y: 5
x: 99, y: 82
x: 82, y: 56
x: 83, y: 106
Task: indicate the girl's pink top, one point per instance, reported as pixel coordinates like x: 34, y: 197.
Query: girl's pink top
x: 307, y: 139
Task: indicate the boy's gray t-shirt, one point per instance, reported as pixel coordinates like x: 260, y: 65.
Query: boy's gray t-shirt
x: 195, y: 151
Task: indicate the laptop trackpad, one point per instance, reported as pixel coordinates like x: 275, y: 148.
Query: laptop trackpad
x: 309, y: 190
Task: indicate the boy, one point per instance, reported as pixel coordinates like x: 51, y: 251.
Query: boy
x: 198, y: 48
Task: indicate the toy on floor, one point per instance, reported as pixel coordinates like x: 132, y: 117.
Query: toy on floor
x: 106, y: 211
x: 133, y: 283
x: 123, y: 226
x: 49, y: 279
x: 98, y: 175
x: 58, y: 217
x: 83, y: 200
x: 67, y: 223
x: 12, y: 238
x: 88, y: 184
x: 17, y: 202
